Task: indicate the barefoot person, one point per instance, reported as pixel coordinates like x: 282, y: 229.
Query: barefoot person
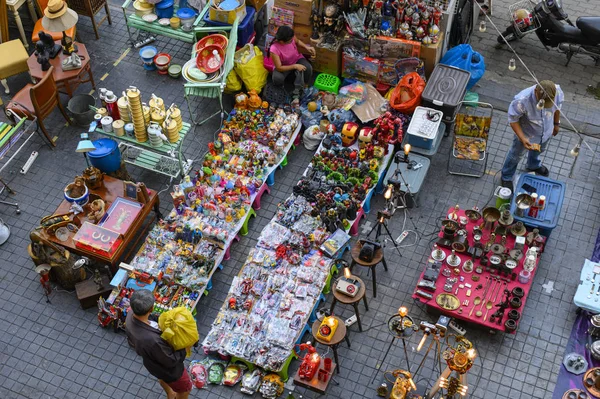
x: 159, y: 358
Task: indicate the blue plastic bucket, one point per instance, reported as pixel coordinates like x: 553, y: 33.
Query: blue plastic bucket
x: 106, y: 156
x: 164, y: 9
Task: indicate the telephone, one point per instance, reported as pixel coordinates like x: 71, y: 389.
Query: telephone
x: 310, y: 363
x: 327, y: 328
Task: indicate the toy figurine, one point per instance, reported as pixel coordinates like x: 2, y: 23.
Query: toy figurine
x: 271, y: 386
x: 241, y: 101
x: 97, y: 211
x: 254, y: 100
x: 349, y: 133
x: 48, y: 43
x: 42, y: 55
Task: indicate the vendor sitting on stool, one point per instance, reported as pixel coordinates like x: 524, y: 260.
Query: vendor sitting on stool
x: 283, y: 57
x: 534, y: 116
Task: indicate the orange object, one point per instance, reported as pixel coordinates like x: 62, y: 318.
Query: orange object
x: 212, y: 40
x: 38, y: 101
x: 207, y: 61
x: 42, y: 4
x: 406, y: 96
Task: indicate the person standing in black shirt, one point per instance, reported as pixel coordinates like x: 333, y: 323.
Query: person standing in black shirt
x: 160, y: 359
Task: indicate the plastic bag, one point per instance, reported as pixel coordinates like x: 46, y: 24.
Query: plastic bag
x: 248, y: 64
x: 407, y: 95
x: 464, y: 57
x: 233, y: 84
x: 312, y: 137
x: 356, y: 91
x: 179, y: 328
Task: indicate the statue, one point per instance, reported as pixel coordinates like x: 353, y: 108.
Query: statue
x: 52, y: 48
x: 42, y: 56
x: 98, y: 280
x: 97, y: 211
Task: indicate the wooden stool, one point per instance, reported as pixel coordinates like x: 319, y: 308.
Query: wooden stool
x: 378, y: 257
x: 338, y: 337
x: 348, y: 300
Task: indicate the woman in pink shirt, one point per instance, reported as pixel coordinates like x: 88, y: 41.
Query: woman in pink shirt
x: 283, y: 58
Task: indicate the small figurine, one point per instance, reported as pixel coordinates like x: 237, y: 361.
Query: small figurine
x: 48, y: 42
x: 98, y: 280
x: 98, y: 209
x: 254, y: 101
x: 241, y: 101
x: 42, y: 55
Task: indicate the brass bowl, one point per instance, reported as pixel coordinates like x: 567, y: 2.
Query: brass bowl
x: 491, y: 214
x: 473, y: 215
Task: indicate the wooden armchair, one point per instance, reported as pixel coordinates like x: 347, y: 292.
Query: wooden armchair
x: 38, y: 101
x: 90, y: 8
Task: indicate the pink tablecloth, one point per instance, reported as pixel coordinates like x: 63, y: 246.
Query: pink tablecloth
x: 462, y: 293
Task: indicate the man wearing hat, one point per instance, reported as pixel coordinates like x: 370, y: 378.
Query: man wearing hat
x: 534, y: 116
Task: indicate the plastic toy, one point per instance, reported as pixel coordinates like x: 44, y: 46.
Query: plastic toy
x: 349, y: 133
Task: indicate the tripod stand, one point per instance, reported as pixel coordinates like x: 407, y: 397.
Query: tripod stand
x: 382, y: 217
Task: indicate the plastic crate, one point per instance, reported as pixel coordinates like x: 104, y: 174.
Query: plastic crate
x: 328, y: 82
x: 547, y: 218
x: 245, y: 27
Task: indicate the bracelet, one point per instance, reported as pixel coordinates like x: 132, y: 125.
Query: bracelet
x: 556, y: 123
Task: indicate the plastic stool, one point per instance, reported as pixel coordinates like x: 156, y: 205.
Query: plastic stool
x: 227, y: 254
x: 283, y: 162
x: 250, y: 366
x: 271, y: 179
x: 304, y: 331
x: 220, y: 267
x: 313, y: 314
x: 367, y: 205
x: 244, y: 230
x: 298, y: 139
x: 354, y: 228
x: 284, y: 371
x: 208, y: 287
x: 341, y: 254
x: 327, y: 82
x: 261, y: 191
x: 332, y: 272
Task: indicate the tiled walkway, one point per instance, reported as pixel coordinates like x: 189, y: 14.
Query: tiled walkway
x: 58, y: 350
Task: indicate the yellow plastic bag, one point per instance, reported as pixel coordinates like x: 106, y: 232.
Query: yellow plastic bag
x: 233, y: 84
x: 179, y: 328
x: 248, y: 64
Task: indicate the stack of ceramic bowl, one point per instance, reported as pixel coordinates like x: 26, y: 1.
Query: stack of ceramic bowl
x: 157, y: 115
x: 157, y: 102
x: 142, y: 8
x: 123, y: 109
x: 175, y: 113
x: 137, y: 115
x: 146, y: 110
x: 172, y: 132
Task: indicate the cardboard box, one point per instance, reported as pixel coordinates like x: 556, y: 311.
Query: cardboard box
x: 328, y: 61
x: 390, y: 47
x: 303, y: 33
x: 301, y: 8
x: 364, y: 69
x: 227, y: 17
x: 431, y: 55
x: 257, y: 4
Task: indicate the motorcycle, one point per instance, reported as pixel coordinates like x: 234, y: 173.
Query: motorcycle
x: 546, y: 20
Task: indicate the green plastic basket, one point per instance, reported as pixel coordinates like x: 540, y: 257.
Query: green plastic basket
x: 328, y: 83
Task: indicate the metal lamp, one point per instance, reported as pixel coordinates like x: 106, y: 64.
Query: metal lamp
x: 84, y: 146
x: 59, y: 18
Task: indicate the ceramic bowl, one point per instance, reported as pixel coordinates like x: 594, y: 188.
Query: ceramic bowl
x: 150, y: 18
x: 162, y: 61
x: 164, y: 22
x: 175, y: 71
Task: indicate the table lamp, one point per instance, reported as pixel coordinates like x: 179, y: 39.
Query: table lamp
x: 85, y: 145
x: 59, y: 18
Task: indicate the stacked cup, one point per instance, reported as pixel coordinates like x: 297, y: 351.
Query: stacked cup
x: 137, y: 115
x: 123, y: 109
x: 157, y: 102
x: 157, y: 115
x: 172, y: 132
x: 175, y: 113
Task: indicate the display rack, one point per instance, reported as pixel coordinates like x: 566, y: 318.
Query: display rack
x: 166, y: 159
x: 136, y: 22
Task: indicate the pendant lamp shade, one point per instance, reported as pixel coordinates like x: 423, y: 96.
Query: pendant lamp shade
x: 85, y: 144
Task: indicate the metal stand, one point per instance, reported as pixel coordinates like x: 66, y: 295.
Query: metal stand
x: 398, y: 172
x: 382, y: 216
x: 10, y: 191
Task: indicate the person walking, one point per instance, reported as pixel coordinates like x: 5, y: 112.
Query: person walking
x: 534, y: 116
x: 159, y: 358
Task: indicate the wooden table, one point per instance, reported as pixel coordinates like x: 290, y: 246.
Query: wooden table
x: 14, y: 5
x: 315, y: 384
x: 111, y: 189
x: 349, y: 300
x: 339, y: 335
x: 378, y: 257
x: 66, y: 81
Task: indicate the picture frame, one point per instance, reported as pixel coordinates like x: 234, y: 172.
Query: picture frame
x: 130, y: 190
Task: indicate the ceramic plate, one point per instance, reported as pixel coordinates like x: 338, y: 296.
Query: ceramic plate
x: 150, y: 18
x: 164, y: 22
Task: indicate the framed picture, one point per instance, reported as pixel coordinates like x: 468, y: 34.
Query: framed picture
x: 130, y: 190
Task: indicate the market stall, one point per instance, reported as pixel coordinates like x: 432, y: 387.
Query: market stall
x: 481, y: 268
x: 212, y: 206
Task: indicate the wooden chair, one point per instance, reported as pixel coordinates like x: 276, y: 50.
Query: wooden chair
x: 38, y: 101
x: 90, y: 8
x: 42, y: 4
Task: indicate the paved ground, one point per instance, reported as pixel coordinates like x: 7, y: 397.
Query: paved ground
x: 499, y: 84
x: 57, y: 350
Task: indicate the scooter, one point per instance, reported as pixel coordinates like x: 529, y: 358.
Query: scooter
x: 546, y: 21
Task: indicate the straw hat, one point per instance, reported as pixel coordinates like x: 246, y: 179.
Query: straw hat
x: 58, y: 17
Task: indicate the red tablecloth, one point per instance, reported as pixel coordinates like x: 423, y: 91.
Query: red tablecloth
x: 462, y: 293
